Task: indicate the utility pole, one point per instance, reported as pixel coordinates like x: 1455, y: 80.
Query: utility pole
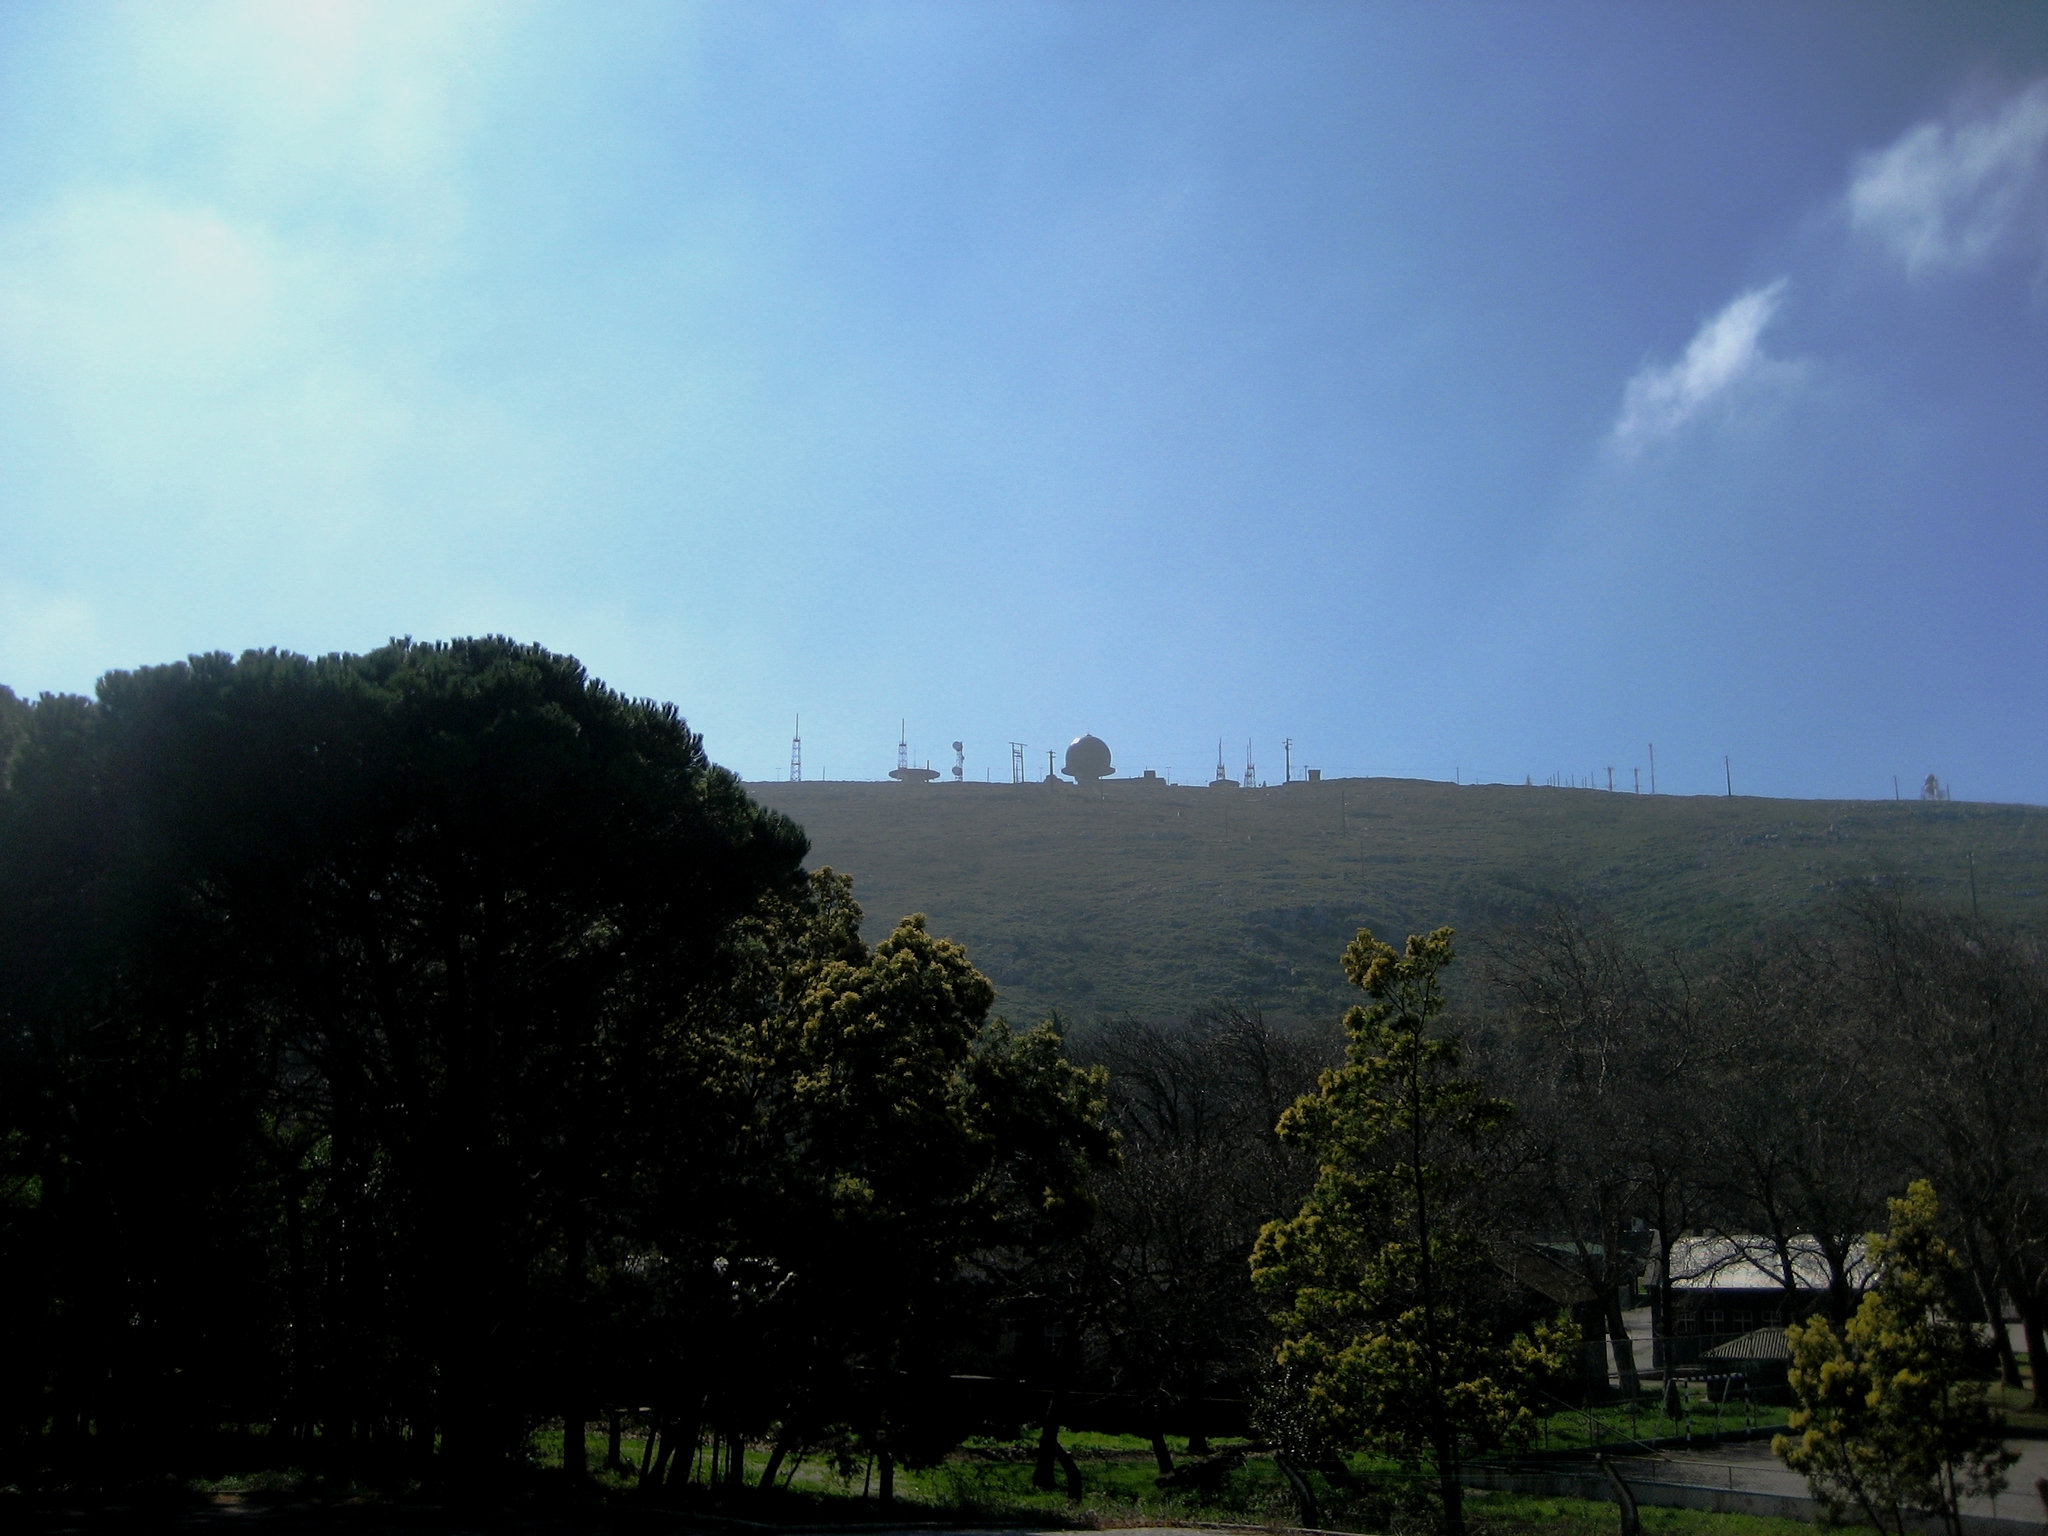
x: 1730, y: 772
x: 1895, y: 786
x: 1048, y: 767
x: 1653, y: 767
x: 1610, y: 778
x: 1639, y: 779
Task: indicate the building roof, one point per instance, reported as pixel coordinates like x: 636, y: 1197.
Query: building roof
x: 1762, y: 1344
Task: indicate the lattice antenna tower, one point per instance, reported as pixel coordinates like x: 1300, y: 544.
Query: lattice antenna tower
x: 902, y: 746
x: 1017, y: 761
x: 1222, y: 772
x: 1251, y: 775
x: 796, y: 753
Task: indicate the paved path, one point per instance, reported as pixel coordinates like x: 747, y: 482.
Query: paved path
x: 1750, y: 1467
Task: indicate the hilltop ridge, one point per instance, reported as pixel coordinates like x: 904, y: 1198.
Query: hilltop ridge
x: 1151, y: 898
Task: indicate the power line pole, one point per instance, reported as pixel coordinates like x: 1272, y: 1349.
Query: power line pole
x: 1731, y: 775
x: 1610, y: 778
x: 1639, y: 779
x: 1653, y: 767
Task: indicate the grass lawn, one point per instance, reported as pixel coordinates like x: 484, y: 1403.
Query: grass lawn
x: 990, y: 1482
x: 1612, y: 1424
x: 1085, y: 902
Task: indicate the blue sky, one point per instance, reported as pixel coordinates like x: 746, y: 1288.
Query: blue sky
x: 1474, y: 389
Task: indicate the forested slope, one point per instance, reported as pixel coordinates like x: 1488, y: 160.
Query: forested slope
x: 1153, y: 899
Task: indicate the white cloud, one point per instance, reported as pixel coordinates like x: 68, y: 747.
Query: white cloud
x: 1951, y: 196
x: 1725, y: 355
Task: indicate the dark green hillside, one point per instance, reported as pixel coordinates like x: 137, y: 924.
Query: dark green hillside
x: 1154, y: 898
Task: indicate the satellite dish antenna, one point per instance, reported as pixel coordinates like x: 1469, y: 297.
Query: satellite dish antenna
x: 959, y: 762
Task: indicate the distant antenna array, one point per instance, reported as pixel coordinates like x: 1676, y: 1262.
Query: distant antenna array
x: 959, y: 762
x: 796, y: 753
x: 903, y: 746
x: 1251, y: 777
x: 1017, y: 761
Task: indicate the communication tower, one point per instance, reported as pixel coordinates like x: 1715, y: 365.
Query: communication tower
x: 1017, y: 762
x: 1223, y: 780
x: 1287, y: 747
x: 959, y: 762
x: 1251, y: 776
x: 903, y: 773
x: 796, y: 753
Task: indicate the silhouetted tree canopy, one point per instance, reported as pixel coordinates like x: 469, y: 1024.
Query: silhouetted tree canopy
x: 402, y: 1047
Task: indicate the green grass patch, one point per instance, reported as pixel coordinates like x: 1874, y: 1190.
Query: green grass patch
x: 1619, y: 1423
x: 1085, y: 902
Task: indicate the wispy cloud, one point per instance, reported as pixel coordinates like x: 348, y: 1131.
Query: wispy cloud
x: 1950, y: 196
x: 1725, y: 354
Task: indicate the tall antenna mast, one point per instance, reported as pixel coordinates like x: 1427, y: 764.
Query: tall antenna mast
x: 796, y: 753
x: 1017, y: 761
x: 1251, y: 779
x: 1287, y: 747
x: 902, y: 747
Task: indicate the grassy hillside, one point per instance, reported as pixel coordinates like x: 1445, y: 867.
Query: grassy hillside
x: 1154, y: 899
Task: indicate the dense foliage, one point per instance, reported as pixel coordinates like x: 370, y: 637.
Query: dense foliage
x: 403, y: 1047
x: 1890, y: 1421
x: 1384, y: 1276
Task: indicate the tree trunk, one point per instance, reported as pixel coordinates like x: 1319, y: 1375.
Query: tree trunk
x: 2037, y: 1351
x: 2008, y: 1362
x: 668, y: 1451
x: 616, y: 1429
x: 1162, y: 1453
x: 886, y: 1465
x: 775, y: 1455
x: 1048, y: 1446
x: 735, y: 1459
x: 575, y: 1454
x: 653, y: 1432
x: 1073, y: 1470
x: 1623, y: 1347
x: 1450, y: 1487
x: 1304, y: 1496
